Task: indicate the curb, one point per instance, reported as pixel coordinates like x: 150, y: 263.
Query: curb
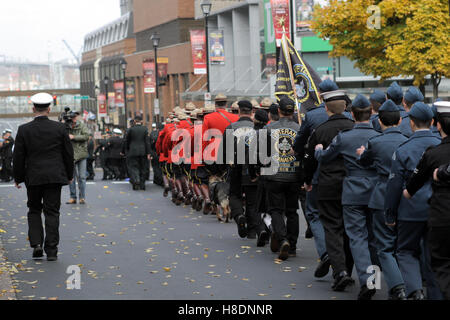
x: 6, y: 286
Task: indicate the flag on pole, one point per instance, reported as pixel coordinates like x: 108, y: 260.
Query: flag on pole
x: 296, y: 79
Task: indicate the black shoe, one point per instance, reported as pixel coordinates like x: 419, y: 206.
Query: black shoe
x: 135, y: 187
x: 142, y: 187
x: 284, y: 250
x: 366, y: 293
x: 323, y: 268
x: 242, y: 228
x: 342, y: 281
x: 38, y: 252
x: 166, y: 192
x: 263, y: 237
x: 251, y: 234
x: 52, y: 258
x: 292, y: 252
x: 397, y: 293
x: 308, y: 233
x: 416, y: 295
x: 274, y: 243
x: 207, y: 208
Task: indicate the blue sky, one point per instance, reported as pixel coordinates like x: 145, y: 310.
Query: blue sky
x: 30, y: 29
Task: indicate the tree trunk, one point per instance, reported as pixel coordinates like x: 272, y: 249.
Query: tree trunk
x: 435, y: 81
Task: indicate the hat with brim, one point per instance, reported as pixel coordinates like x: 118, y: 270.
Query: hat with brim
x: 221, y: 98
x: 265, y: 104
x: 41, y: 99
x: 443, y: 107
x: 117, y: 131
x: 333, y: 95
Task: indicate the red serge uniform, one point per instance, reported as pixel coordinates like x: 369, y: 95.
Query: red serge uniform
x: 186, y: 125
x: 220, y: 120
x: 159, y: 142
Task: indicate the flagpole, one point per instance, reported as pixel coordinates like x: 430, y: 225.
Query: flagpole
x: 291, y: 73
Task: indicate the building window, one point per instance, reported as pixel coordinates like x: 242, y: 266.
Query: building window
x: 186, y: 83
x: 176, y: 90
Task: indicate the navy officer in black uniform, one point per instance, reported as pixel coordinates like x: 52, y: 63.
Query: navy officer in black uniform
x: 43, y: 160
x: 439, y: 215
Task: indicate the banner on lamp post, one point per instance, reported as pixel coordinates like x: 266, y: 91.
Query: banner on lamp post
x: 281, y: 19
x: 149, y: 76
x: 217, y: 47
x: 198, y: 43
x: 119, y: 94
x: 102, y: 108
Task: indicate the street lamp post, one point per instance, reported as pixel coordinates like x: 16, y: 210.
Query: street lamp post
x: 156, y: 39
x: 206, y: 8
x: 123, y: 64
x: 106, y: 82
x: 97, y: 92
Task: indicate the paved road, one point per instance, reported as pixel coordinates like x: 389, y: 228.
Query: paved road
x: 138, y: 245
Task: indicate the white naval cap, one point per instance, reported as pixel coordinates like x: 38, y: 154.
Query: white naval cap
x: 117, y: 131
x: 42, y: 98
x: 442, y: 106
x: 333, y: 95
x: 154, y: 125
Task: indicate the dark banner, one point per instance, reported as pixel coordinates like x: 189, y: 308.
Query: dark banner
x: 163, y: 67
x: 304, y: 77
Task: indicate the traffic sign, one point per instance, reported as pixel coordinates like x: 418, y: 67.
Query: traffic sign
x: 81, y: 97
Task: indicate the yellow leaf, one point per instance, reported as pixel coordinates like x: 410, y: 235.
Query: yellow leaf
x: 167, y: 269
x: 2, y: 231
x: 108, y: 252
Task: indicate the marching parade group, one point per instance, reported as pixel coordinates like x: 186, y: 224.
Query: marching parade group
x: 372, y: 177
x: 362, y: 171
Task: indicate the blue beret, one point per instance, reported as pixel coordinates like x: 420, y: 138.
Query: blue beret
x: 328, y: 85
x: 434, y: 107
x: 378, y: 96
x: 395, y: 91
x: 413, y: 95
x: 389, y: 106
x: 421, y: 111
x: 360, y: 102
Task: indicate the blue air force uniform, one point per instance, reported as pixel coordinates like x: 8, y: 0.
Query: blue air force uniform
x: 379, y: 153
x: 357, y: 188
x: 377, y: 96
x: 410, y: 215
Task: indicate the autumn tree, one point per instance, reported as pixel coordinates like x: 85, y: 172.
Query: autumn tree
x: 411, y: 37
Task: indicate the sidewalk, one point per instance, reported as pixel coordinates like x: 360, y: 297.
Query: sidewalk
x: 6, y: 290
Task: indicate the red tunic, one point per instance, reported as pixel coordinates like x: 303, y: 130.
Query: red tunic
x: 219, y: 120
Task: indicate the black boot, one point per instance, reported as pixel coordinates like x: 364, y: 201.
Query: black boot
x: 397, y: 293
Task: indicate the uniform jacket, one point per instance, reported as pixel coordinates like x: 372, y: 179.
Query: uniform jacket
x: 405, y: 126
x: 281, y: 137
x: 243, y: 133
x: 359, y: 181
x: 313, y: 119
x: 374, y: 120
x: 404, y: 162
x: 219, y: 120
x: 43, y: 153
x: 7, y: 148
x: 433, y: 158
x: 137, y: 141
x: 331, y: 174
x: 80, y: 141
x: 114, y: 147
x: 379, y: 152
